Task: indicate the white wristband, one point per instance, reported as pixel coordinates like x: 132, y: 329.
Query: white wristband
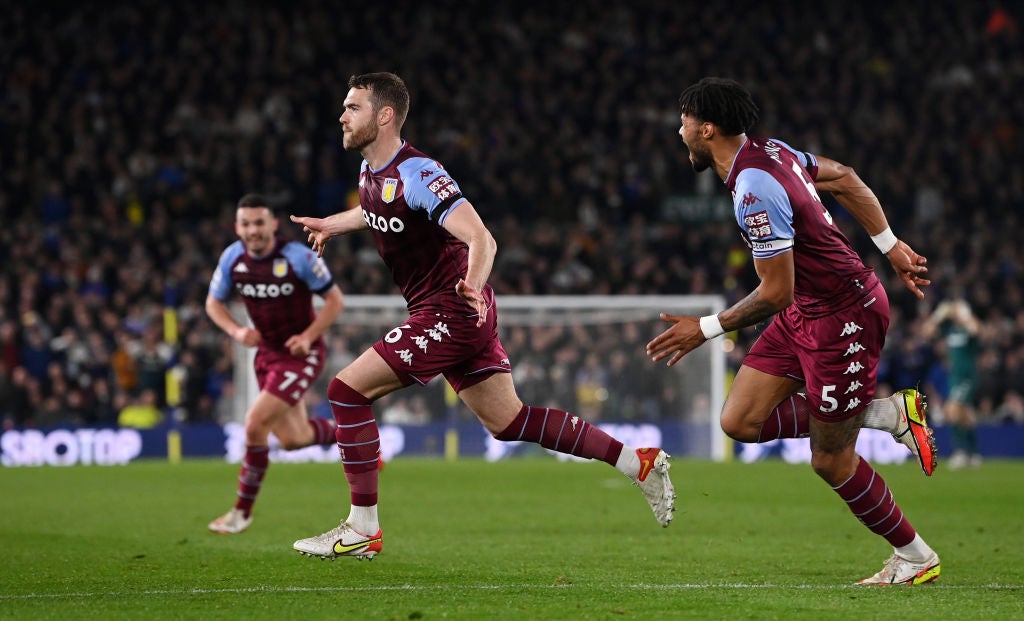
x: 886, y: 240
x: 711, y: 326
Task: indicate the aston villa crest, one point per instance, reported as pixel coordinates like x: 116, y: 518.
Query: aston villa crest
x: 280, y: 267
x: 387, y: 193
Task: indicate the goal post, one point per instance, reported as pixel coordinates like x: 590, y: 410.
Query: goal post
x: 582, y: 353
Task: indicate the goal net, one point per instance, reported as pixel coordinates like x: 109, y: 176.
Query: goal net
x: 584, y: 354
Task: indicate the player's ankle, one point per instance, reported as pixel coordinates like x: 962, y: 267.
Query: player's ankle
x: 628, y: 463
x: 364, y: 520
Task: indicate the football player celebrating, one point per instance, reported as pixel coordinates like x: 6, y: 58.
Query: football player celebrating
x: 276, y: 280
x: 814, y: 369
x: 440, y: 254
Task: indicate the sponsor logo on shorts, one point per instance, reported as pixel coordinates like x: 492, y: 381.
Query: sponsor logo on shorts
x: 855, y: 367
x: 438, y: 329
x: 853, y: 348
x: 850, y: 328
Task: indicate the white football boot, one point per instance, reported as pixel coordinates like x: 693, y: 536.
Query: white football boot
x: 341, y: 541
x: 231, y: 523
x: 654, y: 482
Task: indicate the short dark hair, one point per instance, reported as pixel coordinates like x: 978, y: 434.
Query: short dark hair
x: 252, y: 199
x: 720, y: 101
x: 386, y: 89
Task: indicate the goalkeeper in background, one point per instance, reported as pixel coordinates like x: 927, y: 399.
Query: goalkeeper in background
x: 959, y: 328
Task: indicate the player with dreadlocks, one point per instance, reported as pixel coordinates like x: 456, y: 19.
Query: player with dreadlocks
x: 814, y: 369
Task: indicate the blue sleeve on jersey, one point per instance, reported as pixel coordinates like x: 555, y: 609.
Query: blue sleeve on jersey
x: 309, y: 267
x: 222, y: 283
x: 764, y: 213
x: 427, y: 186
x: 807, y: 160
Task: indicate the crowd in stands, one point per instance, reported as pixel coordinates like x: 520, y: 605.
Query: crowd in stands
x: 129, y: 130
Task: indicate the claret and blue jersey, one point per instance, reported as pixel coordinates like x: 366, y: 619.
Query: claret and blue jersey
x: 277, y: 288
x: 405, y: 204
x: 778, y: 210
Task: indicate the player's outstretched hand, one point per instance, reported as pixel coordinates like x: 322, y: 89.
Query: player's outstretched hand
x: 911, y: 267
x: 474, y: 298
x: 680, y: 339
x: 316, y: 229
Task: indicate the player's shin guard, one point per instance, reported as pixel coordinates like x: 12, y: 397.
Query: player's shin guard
x: 869, y: 498
x: 790, y: 419
x: 358, y: 441
x: 250, y: 477
x: 563, y: 432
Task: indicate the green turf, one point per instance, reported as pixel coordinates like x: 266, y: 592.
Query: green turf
x: 523, y: 539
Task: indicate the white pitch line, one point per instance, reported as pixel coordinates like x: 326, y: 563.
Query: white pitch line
x: 483, y: 587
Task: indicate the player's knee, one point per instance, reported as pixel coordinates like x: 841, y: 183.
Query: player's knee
x: 739, y: 429
x: 256, y: 431
x: 349, y: 401
x: 290, y: 444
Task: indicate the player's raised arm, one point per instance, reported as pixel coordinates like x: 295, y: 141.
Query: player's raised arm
x: 320, y: 230
x: 464, y: 223
x: 853, y: 194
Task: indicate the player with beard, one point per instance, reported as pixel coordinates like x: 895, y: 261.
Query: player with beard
x: 440, y: 254
x: 276, y: 280
x: 813, y: 371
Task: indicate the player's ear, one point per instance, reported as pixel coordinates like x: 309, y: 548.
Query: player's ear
x: 386, y: 115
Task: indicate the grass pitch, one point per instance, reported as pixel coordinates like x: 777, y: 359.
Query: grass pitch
x: 529, y: 538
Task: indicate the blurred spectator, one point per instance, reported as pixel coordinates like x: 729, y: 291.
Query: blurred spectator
x: 10, y: 354
x: 1012, y: 408
x: 406, y: 411
x: 591, y: 387
x: 123, y: 363
x: 141, y: 412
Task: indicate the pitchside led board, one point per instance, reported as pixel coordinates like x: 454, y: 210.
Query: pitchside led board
x: 111, y: 447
